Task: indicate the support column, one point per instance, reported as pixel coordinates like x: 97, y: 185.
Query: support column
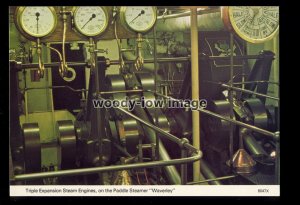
x: 195, y: 88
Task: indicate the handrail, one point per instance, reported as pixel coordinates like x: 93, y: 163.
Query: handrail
x: 92, y: 170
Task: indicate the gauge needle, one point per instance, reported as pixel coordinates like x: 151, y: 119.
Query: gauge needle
x: 142, y: 12
x: 93, y: 16
x: 37, y: 22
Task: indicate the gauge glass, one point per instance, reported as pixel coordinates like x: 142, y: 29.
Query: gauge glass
x: 90, y: 20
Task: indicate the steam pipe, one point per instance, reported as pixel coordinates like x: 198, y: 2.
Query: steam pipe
x: 205, y: 22
x: 186, y: 13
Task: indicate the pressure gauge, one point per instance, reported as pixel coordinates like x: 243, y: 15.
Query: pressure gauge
x: 255, y: 24
x: 138, y: 18
x: 36, y: 21
x: 90, y: 20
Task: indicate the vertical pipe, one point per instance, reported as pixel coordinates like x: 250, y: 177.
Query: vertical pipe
x: 183, y: 167
x: 140, y: 150
x: 139, y: 47
x: 53, y: 112
x: 25, y: 95
x: 50, y: 93
x: 11, y: 167
x: 276, y: 67
x: 195, y: 88
x: 277, y: 94
x: 244, y: 64
x: 93, y: 54
x: 155, y: 87
x: 157, y: 170
x: 231, y: 99
x: 26, y: 106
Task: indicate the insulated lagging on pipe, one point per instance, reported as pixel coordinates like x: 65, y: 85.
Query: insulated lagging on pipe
x: 170, y: 171
x: 205, y: 22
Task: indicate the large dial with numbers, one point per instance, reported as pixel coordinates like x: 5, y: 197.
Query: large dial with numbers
x: 255, y: 24
x: 138, y: 18
x: 36, y: 21
x: 90, y: 20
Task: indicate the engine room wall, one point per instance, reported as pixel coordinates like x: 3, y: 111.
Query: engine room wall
x: 43, y: 96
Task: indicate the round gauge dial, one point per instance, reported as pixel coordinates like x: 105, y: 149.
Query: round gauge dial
x: 255, y: 24
x: 90, y: 20
x: 138, y: 18
x: 36, y: 21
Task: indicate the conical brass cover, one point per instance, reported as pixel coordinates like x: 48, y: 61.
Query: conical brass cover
x: 243, y: 163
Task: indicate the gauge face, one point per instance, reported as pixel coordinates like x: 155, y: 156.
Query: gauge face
x: 37, y: 21
x: 90, y: 20
x: 255, y: 24
x: 139, y: 18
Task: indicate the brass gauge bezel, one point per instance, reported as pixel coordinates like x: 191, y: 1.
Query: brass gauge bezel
x: 19, y: 24
x: 229, y: 22
x: 128, y: 27
x: 74, y: 11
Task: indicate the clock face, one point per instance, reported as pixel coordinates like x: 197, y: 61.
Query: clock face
x: 90, y: 20
x: 139, y: 18
x: 37, y: 21
x: 255, y: 24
